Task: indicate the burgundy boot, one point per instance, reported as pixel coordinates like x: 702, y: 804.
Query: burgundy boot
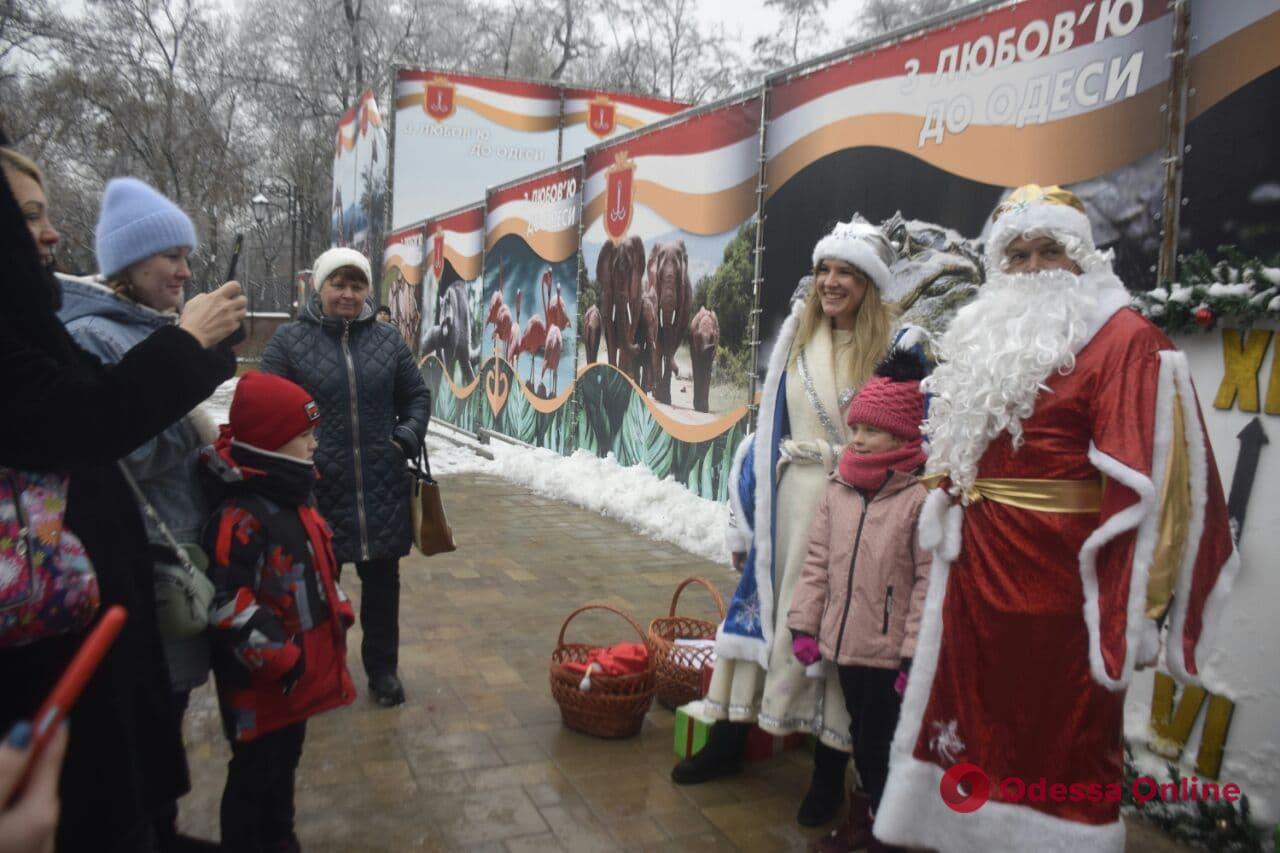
x: 855, y: 832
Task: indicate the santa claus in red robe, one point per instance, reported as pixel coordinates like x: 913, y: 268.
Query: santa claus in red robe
x: 1078, y: 516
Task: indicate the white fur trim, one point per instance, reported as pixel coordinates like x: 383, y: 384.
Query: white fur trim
x: 1149, y: 643
x: 738, y: 533
x: 919, y: 687
x: 952, y: 526
x: 1058, y: 218
x: 913, y: 813
x: 932, y: 519
x: 1180, y: 376
x: 736, y: 646
x: 1143, y: 516
x: 1112, y: 296
x: 853, y: 250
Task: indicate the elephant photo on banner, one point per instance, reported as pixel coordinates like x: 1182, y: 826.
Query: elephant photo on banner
x: 668, y: 245
x: 668, y: 248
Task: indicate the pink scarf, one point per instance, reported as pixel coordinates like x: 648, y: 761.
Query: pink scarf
x: 869, y: 470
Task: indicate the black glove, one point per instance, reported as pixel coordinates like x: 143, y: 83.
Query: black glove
x: 290, y: 679
x: 406, y: 440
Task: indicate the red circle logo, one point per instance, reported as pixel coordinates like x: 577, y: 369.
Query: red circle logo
x: 964, y: 788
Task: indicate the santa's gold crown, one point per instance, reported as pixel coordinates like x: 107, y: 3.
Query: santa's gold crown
x: 1030, y: 194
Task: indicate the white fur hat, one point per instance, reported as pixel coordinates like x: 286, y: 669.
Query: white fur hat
x: 337, y: 258
x: 862, y: 244
x: 1036, y: 211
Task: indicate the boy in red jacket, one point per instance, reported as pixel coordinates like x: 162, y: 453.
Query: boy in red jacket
x: 278, y: 618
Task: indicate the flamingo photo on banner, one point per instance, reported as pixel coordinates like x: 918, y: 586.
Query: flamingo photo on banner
x: 529, y: 344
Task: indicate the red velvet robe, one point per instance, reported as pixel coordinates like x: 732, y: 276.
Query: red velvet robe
x: 1031, y: 631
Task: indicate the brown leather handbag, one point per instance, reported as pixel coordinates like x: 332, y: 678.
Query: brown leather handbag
x: 431, y: 531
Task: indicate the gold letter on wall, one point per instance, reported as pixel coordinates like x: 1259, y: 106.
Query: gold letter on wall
x: 1172, y: 726
x: 1240, y: 365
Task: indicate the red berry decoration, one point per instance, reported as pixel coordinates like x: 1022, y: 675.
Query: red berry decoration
x: 1204, y: 316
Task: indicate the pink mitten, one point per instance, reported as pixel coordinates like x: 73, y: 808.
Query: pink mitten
x: 900, y: 684
x: 806, y: 650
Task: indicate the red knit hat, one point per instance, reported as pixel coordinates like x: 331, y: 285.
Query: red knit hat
x: 267, y: 412
x: 891, y: 399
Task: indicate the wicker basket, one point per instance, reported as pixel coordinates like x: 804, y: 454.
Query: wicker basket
x: 680, y: 667
x: 615, y: 705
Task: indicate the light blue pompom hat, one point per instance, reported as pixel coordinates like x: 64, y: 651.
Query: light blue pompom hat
x: 136, y: 221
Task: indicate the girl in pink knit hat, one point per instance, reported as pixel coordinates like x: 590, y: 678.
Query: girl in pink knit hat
x: 860, y: 597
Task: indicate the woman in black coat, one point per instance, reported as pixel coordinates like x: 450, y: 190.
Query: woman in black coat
x: 68, y: 413
x: 375, y: 408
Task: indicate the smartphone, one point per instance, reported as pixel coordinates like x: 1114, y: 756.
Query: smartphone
x: 238, y: 336
x: 65, y: 693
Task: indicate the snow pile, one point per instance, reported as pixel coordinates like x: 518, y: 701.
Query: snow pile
x: 660, y: 509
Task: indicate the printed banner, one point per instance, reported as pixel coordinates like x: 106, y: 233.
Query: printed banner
x: 1229, y: 250
x: 359, y: 178
x: 531, y: 306
x: 1231, y: 179
x: 402, y: 282
x: 342, y: 212
x: 938, y: 125
x: 457, y: 133
x: 453, y: 306
x: 593, y: 116
x: 669, y: 234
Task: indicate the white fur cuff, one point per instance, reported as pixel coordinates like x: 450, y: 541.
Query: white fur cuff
x: 1149, y: 643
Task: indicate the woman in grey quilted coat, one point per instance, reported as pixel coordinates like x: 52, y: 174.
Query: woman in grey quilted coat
x: 374, y: 409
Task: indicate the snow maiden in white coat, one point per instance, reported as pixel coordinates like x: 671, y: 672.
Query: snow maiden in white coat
x: 1078, y: 509
x: 827, y: 348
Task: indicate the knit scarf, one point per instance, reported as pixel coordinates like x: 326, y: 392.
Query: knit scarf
x: 868, y: 470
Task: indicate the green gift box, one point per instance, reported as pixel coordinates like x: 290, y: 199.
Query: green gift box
x: 693, y: 724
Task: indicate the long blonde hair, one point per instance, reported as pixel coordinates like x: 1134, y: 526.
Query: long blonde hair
x: 871, y: 329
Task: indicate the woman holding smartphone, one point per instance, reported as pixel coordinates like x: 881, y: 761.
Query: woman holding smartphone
x: 71, y: 414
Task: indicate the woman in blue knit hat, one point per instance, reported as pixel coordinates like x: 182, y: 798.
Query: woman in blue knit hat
x: 142, y: 242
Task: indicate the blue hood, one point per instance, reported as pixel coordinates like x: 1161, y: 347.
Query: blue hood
x: 86, y: 297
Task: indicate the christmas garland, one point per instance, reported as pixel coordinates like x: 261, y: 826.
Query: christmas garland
x: 1216, y: 825
x: 1242, y: 288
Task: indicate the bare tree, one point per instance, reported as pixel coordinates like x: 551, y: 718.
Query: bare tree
x: 881, y: 16
x: 798, y: 38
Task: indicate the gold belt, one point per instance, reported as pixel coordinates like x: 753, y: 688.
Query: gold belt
x: 1073, y: 496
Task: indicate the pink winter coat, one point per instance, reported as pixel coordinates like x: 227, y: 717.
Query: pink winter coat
x: 862, y: 589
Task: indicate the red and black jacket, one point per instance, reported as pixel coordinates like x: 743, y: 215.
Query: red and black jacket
x: 279, y: 639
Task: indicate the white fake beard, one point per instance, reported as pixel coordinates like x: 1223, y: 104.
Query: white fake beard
x: 994, y: 359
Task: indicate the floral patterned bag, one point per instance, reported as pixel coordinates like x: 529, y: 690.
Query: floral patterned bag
x: 47, y: 584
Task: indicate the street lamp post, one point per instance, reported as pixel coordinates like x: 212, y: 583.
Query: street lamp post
x: 280, y: 187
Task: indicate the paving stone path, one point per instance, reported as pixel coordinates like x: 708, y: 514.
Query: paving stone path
x: 477, y: 759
